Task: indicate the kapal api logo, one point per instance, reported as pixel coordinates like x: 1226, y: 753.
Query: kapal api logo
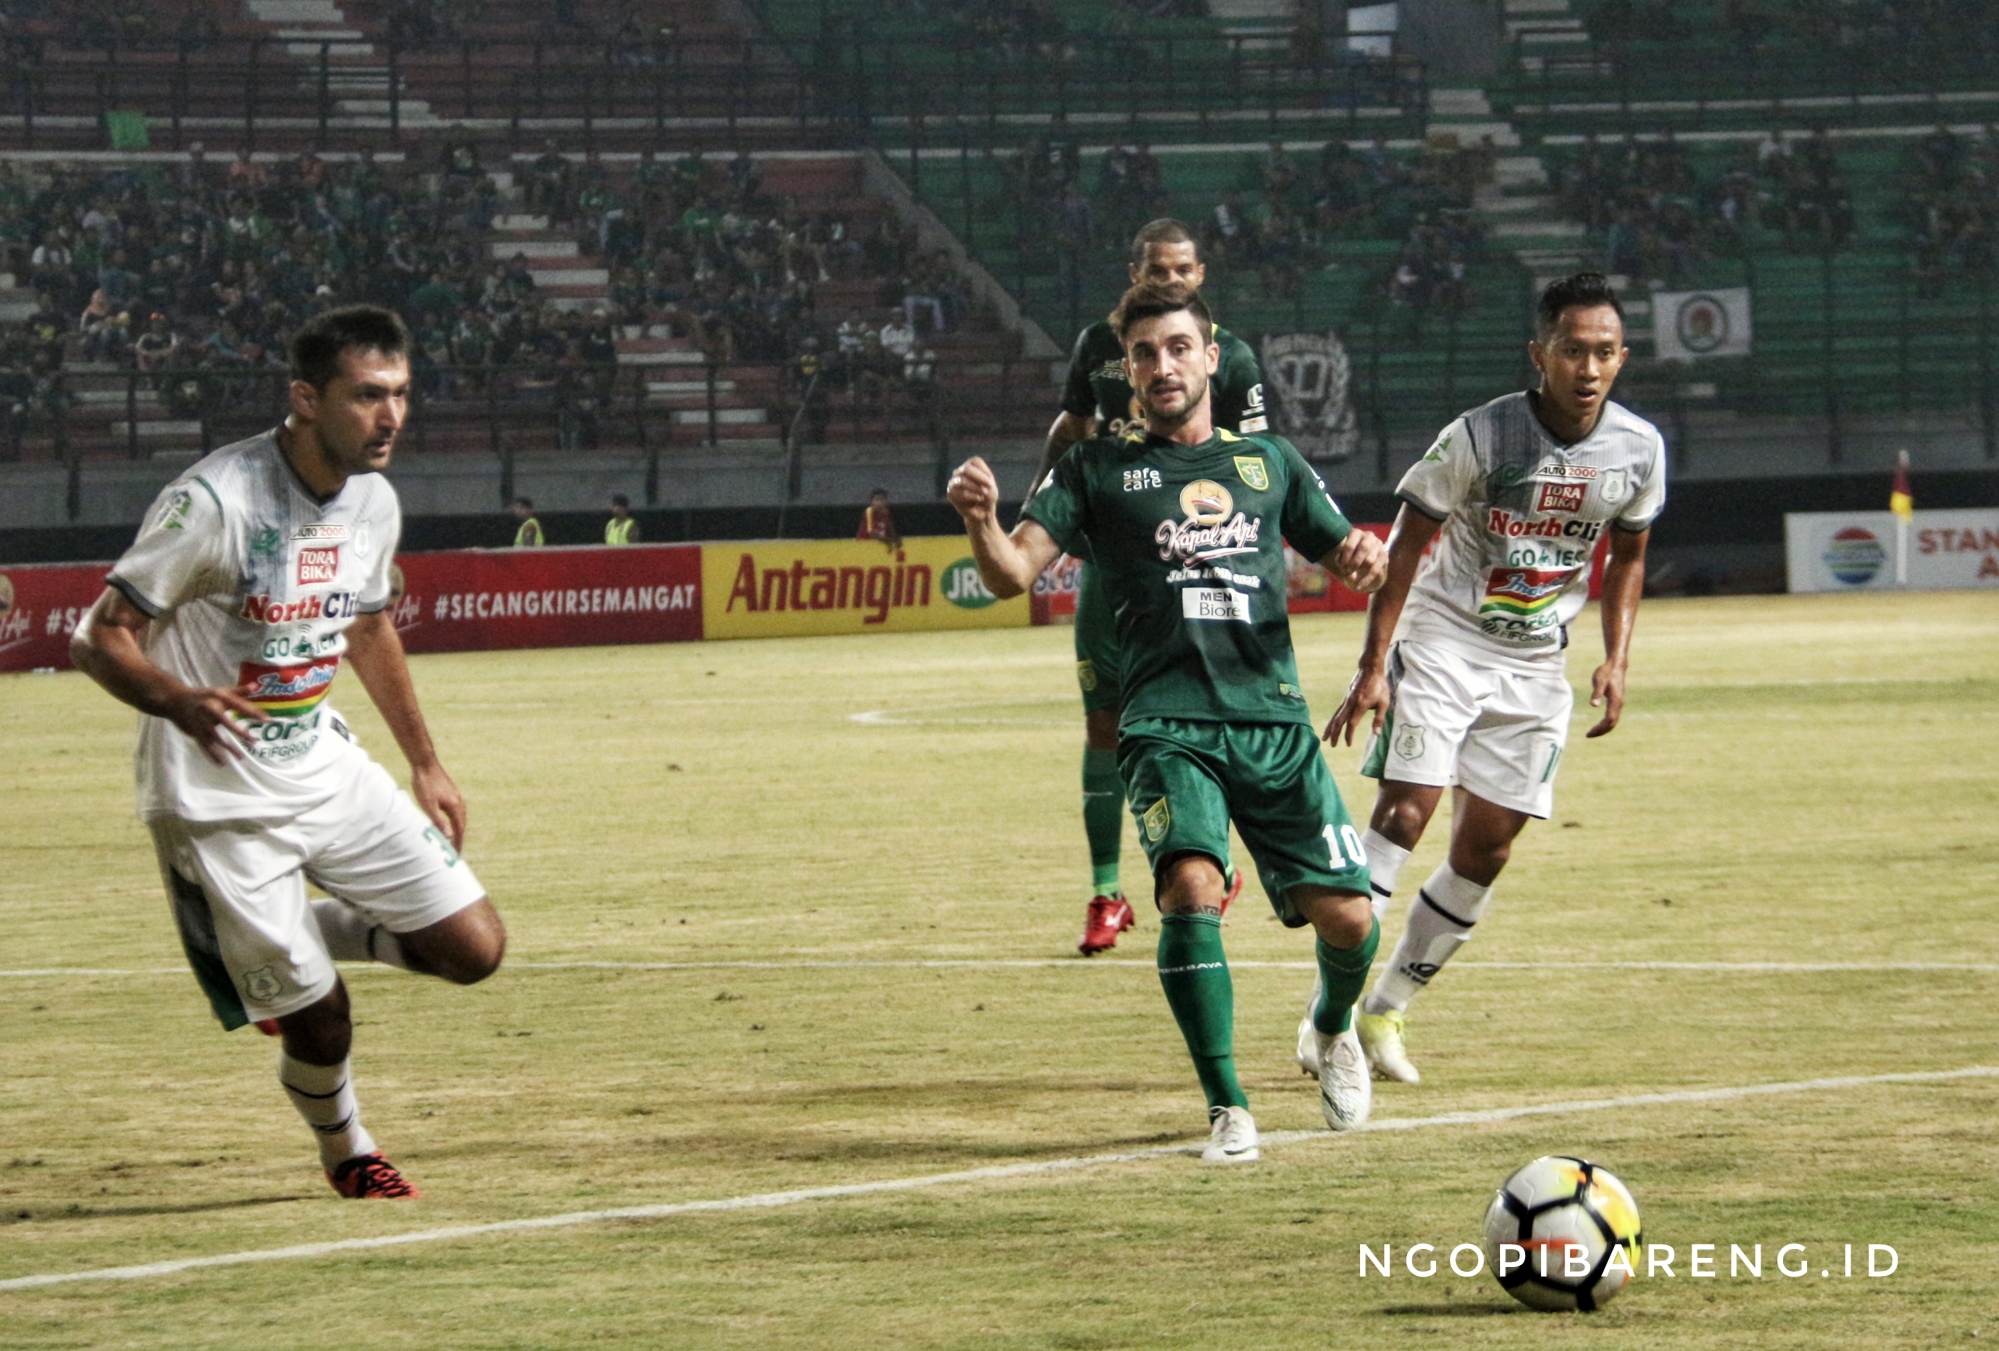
x: 1206, y: 502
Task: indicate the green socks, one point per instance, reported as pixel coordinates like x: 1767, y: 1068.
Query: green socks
x: 1103, y: 817
x: 1195, y: 975
x: 1342, y: 974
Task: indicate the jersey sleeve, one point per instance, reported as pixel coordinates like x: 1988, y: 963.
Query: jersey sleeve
x: 182, y: 551
x: 1239, y: 405
x: 1061, y: 504
x: 1077, y: 396
x: 1443, y: 478
x: 1650, y: 498
x: 1313, y: 523
x: 387, y: 529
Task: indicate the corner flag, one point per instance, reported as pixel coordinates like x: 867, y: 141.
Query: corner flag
x: 1904, y: 506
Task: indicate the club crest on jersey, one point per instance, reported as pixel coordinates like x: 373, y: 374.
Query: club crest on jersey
x: 318, y: 564
x: 1616, y: 486
x: 1206, y: 502
x: 263, y: 984
x: 1409, y: 742
x: 1252, y: 471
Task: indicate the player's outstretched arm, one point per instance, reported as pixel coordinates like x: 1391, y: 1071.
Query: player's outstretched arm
x: 1368, y: 692
x: 108, y: 648
x: 375, y: 651
x: 1008, y: 564
x: 1623, y: 586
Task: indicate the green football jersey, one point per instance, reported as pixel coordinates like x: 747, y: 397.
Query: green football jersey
x: 1190, y: 544
x: 1098, y: 387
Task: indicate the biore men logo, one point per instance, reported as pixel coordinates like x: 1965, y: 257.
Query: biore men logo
x: 318, y: 565
x: 1561, y: 497
x: 963, y: 587
x: 1854, y: 555
x: 1203, y: 602
x: 319, y: 605
x: 1206, y: 502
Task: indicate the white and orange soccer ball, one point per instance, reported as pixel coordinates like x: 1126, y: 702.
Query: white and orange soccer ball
x: 1562, y: 1234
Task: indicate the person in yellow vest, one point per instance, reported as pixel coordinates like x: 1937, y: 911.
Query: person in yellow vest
x: 529, y: 535
x: 621, y: 528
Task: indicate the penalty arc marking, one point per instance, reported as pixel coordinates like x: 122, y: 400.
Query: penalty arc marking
x: 775, y: 1200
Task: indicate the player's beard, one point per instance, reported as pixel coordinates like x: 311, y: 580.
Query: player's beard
x: 1196, y: 383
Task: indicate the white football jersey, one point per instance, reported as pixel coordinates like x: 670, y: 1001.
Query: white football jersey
x: 252, y: 581
x: 1522, y: 515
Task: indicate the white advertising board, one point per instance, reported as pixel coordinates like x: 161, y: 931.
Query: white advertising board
x: 1855, y: 550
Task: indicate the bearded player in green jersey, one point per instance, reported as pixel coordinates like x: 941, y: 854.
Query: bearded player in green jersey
x: 1187, y: 524
x: 1098, y: 398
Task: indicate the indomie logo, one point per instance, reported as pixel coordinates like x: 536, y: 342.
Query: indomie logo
x: 799, y: 587
x: 318, y: 564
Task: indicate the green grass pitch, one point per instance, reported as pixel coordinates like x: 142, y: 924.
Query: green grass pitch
x: 1805, y: 782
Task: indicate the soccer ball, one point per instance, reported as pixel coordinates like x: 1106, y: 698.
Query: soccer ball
x: 1562, y: 1234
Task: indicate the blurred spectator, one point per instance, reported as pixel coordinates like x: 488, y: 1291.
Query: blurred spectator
x: 527, y: 534
x: 878, y: 522
x: 621, y: 528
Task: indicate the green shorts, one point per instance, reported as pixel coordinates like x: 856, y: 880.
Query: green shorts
x: 1186, y: 780
x: 1098, y: 669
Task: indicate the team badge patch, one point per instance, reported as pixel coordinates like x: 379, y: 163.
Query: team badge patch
x: 1615, y: 487
x: 262, y: 984
x: 1409, y: 742
x: 1086, y: 676
x: 1252, y: 471
x: 1158, y: 819
x: 1206, y: 502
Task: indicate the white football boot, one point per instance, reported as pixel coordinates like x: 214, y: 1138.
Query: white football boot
x: 1231, y: 1137
x: 1346, y: 1090
x: 1312, y: 1043
x: 1381, y: 1037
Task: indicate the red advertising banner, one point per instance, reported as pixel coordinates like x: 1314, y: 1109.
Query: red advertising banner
x: 475, y: 600
x: 39, y: 605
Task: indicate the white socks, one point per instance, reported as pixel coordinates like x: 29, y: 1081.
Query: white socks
x: 1384, y: 864
x: 324, y: 1096
x: 352, y: 937
x: 1440, y: 920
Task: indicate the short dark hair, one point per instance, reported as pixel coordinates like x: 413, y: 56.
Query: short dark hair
x: 620, y: 500
x: 527, y: 502
x: 1149, y: 300
x: 1585, y: 289
x: 1165, y: 230
x: 317, y: 346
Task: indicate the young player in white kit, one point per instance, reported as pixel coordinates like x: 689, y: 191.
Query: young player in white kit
x: 1466, y: 683
x: 256, y: 574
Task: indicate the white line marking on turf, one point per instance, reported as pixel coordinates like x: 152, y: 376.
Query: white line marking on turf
x: 1100, y: 963
x: 773, y: 1200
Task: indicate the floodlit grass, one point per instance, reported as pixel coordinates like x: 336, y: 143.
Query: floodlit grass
x: 1799, y: 780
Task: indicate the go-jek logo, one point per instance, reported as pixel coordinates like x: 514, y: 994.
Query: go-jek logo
x: 963, y: 587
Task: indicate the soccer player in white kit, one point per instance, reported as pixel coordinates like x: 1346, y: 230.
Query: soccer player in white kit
x: 1463, y: 666
x: 256, y: 574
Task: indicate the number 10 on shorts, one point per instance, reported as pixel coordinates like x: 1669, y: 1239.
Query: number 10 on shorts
x: 1345, y: 838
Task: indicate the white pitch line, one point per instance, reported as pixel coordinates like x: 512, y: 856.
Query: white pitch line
x: 773, y: 1200
x: 1077, y: 963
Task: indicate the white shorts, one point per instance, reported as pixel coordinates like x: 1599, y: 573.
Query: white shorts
x: 238, y: 890
x: 1453, y: 722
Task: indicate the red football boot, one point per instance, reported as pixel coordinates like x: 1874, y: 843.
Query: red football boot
x: 268, y: 1026
x: 1108, y: 916
x: 370, y: 1176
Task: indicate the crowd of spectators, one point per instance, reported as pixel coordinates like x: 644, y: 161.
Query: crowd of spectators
x: 1951, y: 197
x: 1658, y: 219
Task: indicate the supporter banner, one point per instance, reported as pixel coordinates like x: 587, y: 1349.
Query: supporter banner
x: 1690, y: 324
x: 39, y: 605
x: 475, y: 600
x: 776, y: 588
x: 1308, y: 376
x: 1855, y: 550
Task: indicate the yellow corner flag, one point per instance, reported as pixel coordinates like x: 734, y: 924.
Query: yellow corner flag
x: 1899, y: 500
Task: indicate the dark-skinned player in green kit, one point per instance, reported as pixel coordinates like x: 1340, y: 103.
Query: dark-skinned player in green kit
x: 1098, y: 399
x: 1187, y: 524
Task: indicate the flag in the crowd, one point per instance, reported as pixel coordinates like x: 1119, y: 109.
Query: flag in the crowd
x: 1899, y: 500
